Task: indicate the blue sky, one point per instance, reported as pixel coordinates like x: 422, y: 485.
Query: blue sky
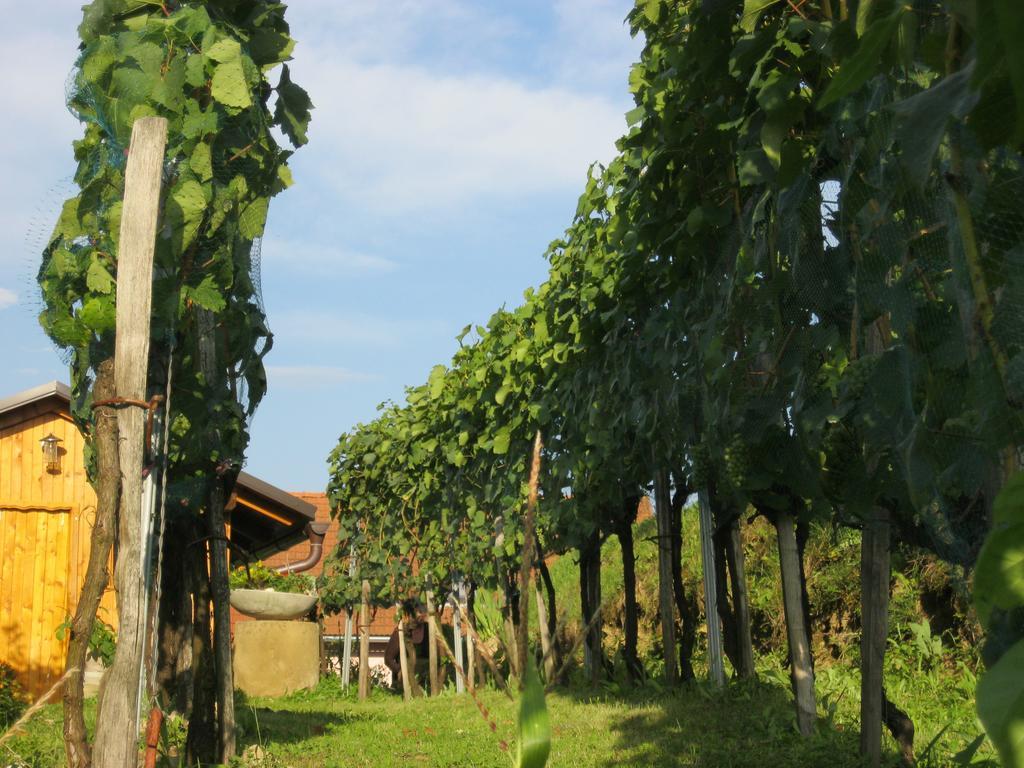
x: 450, y: 142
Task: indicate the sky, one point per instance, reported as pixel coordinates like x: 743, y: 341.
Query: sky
x: 449, y: 144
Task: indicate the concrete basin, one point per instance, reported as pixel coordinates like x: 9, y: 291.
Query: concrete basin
x: 270, y: 605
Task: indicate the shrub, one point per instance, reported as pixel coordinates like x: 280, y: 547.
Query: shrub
x: 259, y: 576
x: 12, y: 697
x: 102, y: 641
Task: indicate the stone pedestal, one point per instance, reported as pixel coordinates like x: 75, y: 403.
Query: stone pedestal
x: 272, y: 658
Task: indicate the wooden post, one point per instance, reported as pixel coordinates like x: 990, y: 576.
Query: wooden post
x: 874, y: 596
x: 716, y: 668
x: 663, y: 511
x: 364, y: 642
x: 117, y: 726
x: 435, y: 682
x: 402, y: 659
x: 799, y: 652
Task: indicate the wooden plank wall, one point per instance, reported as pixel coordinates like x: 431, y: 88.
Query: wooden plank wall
x: 45, y: 529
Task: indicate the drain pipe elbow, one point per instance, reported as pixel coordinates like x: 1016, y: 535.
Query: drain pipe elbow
x: 315, y: 532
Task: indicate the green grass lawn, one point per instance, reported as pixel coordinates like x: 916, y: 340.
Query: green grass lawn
x: 747, y: 724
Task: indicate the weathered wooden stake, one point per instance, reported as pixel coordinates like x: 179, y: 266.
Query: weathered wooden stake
x: 117, y: 726
x: 874, y: 585
x: 364, y: 642
x: 707, y: 548
x: 435, y: 682
x: 402, y: 659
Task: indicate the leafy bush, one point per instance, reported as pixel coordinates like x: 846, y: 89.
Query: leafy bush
x: 259, y: 576
x: 102, y: 642
x: 12, y: 697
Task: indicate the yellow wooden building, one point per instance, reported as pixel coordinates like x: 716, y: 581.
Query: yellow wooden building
x: 46, y: 516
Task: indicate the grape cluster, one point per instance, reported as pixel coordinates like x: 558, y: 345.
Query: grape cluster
x: 737, y: 461
x: 857, y: 375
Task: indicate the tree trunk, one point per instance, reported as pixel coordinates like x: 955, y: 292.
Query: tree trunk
x: 801, y: 669
x: 201, y: 741
x: 740, y: 599
x: 634, y: 669
x: 593, y: 587
x: 901, y: 727
x: 685, y: 604
x: 222, y: 624
x: 364, y: 642
x: 117, y: 724
x: 666, y: 586
x: 585, y: 611
x: 215, y: 376
x: 174, y: 616
x: 726, y: 611
x: 97, y: 575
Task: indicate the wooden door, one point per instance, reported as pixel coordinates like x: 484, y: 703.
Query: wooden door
x: 34, y: 586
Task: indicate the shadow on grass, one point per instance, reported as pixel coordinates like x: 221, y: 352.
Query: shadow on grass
x: 748, y: 724
x: 289, y: 726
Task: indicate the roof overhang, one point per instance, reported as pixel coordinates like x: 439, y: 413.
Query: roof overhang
x: 265, y: 518
x: 53, y: 397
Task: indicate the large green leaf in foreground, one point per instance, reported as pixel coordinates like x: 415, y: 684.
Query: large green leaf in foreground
x: 534, y: 726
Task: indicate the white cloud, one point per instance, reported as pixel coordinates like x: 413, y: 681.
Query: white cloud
x: 397, y: 138
x: 328, y: 331
x: 296, y: 327
x: 399, y: 30
x: 8, y: 298
x: 597, y: 44
x: 313, y: 376
x: 323, y: 259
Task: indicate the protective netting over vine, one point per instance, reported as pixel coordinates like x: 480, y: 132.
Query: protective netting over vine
x: 107, y: 108
x: 204, y: 68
